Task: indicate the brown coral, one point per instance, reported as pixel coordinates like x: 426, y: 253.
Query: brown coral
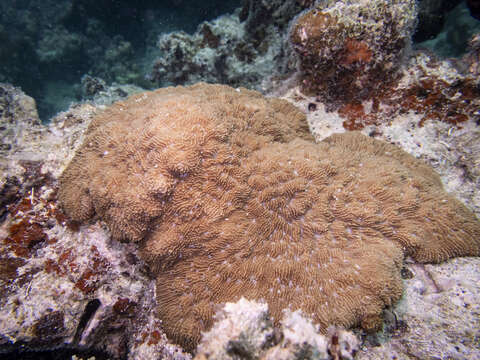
x: 228, y: 196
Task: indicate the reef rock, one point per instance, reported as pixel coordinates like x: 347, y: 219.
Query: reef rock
x: 17, y: 112
x: 64, y: 290
x: 348, y: 49
x: 245, y: 330
x: 229, y: 197
x: 241, y: 49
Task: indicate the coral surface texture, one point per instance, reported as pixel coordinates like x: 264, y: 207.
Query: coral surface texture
x: 228, y: 196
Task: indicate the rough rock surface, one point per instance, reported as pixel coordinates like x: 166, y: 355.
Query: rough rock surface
x: 208, y: 198
x: 17, y: 112
x: 61, y: 286
x: 347, y: 50
x: 472, y: 57
x: 245, y: 330
x: 438, y: 316
x: 241, y: 49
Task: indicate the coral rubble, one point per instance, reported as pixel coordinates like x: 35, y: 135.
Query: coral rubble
x: 244, y: 330
x: 228, y: 196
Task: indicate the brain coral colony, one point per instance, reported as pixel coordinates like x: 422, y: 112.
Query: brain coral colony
x: 228, y: 197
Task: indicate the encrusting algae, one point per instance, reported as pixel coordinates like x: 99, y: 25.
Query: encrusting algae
x: 228, y: 196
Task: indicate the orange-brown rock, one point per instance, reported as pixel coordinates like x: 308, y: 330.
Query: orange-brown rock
x: 349, y: 51
x: 229, y: 197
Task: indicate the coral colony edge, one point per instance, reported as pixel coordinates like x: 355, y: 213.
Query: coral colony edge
x: 229, y: 197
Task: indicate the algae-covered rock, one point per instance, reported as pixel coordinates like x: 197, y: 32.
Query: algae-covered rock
x: 347, y: 50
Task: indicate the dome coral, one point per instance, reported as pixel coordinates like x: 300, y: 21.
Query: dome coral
x: 228, y: 196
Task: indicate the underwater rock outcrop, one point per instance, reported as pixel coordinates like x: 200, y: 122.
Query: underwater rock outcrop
x: 241, y: 49
x: 348, y: 49
x: 228, y: 196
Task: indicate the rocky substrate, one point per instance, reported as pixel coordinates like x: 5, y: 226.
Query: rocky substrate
x: 65, y: 286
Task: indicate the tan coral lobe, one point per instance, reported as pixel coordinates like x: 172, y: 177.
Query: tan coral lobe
x: 229, y: 197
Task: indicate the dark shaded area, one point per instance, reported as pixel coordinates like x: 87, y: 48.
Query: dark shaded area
x: 458, y: 30
x: 90, y: 310
x: 49, y: 326
x: 126, y: 17
x: 474, y: 7
x: 48, y: 45
x: 9, y: 194
x: 54, y: 354
x: 431, y: 17
x: 46, y: 347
